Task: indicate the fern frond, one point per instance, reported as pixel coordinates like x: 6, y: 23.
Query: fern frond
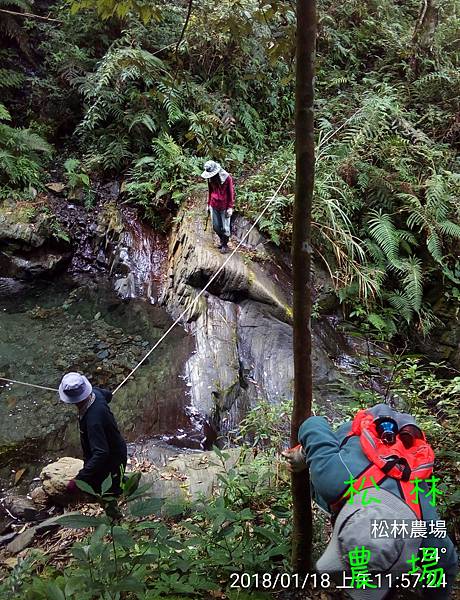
x: 382, y: 229
x: 17, y: 5
x: 407, y: 236
x: 449, y: 228
x: 25, y: 139
x: 4, y: 114
x: 434, y: 245
x: 399, y: 301
x: 436, y: 196
x: 416, y: 218
x: 10, y: 78
x: 375, y: 251
x: 413, y: 282
x: 145, y: 120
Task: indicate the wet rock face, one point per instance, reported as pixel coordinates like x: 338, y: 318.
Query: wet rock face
x: 27, y: 265
x: 26, y: 234
x: 53, y: 329
x: 242, y: 324
x: 194, y: 260
x: 443, y: 343
x: 28, y: 249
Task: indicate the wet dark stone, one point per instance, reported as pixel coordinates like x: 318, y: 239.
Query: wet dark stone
x: 6, y: 539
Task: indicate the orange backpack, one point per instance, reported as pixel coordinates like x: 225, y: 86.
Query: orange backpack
x: 395, y: 461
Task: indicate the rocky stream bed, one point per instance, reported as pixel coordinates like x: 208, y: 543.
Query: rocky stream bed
x: 98, y: 297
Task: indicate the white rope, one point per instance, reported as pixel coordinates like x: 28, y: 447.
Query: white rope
x: 40, y: 387
x: 180, y: 317
x: 326, y: 139
x: 189, y: 308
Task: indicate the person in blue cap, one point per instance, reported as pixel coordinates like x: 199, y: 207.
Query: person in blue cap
x: 104, y: 449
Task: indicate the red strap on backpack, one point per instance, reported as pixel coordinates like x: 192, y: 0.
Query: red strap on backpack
x: 395, y: 461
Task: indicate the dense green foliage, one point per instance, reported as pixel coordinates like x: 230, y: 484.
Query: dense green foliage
x: 387, y: 185
x: 180, y: 548
x: 20, y: 160
x: 108, y: 94
x: 113, y: 84
x: 175, y: 548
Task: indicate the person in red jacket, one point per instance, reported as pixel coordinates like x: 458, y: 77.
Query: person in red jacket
x: 221, y: 200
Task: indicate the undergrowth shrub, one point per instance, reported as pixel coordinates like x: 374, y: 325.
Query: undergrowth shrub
x: 21, y: 163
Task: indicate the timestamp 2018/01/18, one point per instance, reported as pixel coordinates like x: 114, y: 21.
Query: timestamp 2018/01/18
x: 272, y: 581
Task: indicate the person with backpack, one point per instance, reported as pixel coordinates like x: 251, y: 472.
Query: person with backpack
x: 369, y: 474
x: 221, y: 201
x: 104, y: 449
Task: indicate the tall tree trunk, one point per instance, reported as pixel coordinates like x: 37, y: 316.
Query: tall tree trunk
x: 425, y: 28
x: 301, y: 259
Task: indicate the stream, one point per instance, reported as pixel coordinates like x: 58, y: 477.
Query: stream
x: 103, y: 311
x: 50, y: 328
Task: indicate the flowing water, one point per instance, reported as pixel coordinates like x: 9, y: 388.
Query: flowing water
x: 48, y: 329
x: 145, y: 254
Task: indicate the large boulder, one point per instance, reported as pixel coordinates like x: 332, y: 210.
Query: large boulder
x: 28, y: 245
x: 189, y: 476
x: 20, y: 507
x: 242, y: 324
x: 32, y: 264
x: 194, y: 260
x: 57, y: 475
x: 20, y: 233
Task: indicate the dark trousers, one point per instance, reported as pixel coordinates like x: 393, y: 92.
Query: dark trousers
x: 221, y: 224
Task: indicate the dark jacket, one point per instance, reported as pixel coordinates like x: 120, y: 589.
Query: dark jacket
x: 104, y: 449
x: 333, y: 459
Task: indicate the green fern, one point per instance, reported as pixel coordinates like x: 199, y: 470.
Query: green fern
x: 402, y: 304
x: 383, y: 231
x: 413, y: 282
x: 10, y: 78
x: 451, y: 229
x: 4, y: 113
x: 20, y: 163
x: 11, y: 28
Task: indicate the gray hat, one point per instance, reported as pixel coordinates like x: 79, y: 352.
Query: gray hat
x: 211, y: 168
x: 353, y: 529
x: 74, y: 388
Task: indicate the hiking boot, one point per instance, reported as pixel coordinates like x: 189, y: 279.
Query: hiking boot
x: 224, y: 249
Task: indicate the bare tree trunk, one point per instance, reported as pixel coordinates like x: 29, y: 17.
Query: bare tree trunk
x: 301, y: 259
x: 422, y: 39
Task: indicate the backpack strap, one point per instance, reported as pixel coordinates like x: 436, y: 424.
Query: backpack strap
x: 405, y: 489
x: 378, y: 475
x: 401, y: 464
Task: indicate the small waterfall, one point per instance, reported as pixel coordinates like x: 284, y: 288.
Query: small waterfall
x: 141, y: 257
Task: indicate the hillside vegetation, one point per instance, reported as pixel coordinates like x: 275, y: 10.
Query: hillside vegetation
x: 110, y: 87
x: 144, y: 93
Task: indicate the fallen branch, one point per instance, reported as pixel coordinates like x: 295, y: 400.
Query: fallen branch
x: 29, y: 15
